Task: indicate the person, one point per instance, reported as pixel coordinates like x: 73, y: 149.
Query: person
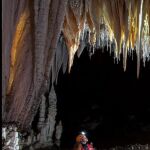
x: 82, y: 142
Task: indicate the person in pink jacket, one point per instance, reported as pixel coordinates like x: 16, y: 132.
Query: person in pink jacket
x: 82, y: 142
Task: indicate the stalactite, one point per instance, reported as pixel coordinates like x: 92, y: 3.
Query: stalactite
x: 55, y: 22
x: 61, y: 58
x: 49, y: 50
x: 81, y: 47
x: 57, y: 59
x: 138, y: 46
x: 124, y: 56
x: 56, y: 25
x: 65, y: 57
x: 129, y: 26
x: 76, y: 8
x: 73, y: 26
x: 59, y: 54
x: 41, y: 23
x: 95, y: 13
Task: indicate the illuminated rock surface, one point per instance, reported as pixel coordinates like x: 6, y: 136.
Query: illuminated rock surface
x: 41, y: 37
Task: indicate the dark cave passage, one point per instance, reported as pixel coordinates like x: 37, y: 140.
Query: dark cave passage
x: 99, y: 97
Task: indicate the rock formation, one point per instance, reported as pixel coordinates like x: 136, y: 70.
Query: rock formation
x: 31, y: 55
x: 11, y: 138
x: 58, y: 133
x: 40, y: 37
x: 42, y: 112
x: 49, y: 126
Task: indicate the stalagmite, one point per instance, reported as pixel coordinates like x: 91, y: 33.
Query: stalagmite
x: 52, y: 110
x: 48, y: 127
x: 30, y: 138
x: 42, y: 112
x: 43, y: 135
x: 58, y: 133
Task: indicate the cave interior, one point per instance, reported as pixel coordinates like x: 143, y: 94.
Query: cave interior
x: 111, y: 105
x: 75, y: 65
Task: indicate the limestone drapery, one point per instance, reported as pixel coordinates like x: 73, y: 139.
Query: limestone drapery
x: 31, y: 31
x: 36, y: 44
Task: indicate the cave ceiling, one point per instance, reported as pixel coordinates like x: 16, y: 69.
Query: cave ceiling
x: 41, y: 36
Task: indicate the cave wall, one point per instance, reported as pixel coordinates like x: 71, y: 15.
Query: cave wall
x: 30, y: 33
x: 10, y: 20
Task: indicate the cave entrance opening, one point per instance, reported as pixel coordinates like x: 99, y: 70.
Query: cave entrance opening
x: 99, y: 97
